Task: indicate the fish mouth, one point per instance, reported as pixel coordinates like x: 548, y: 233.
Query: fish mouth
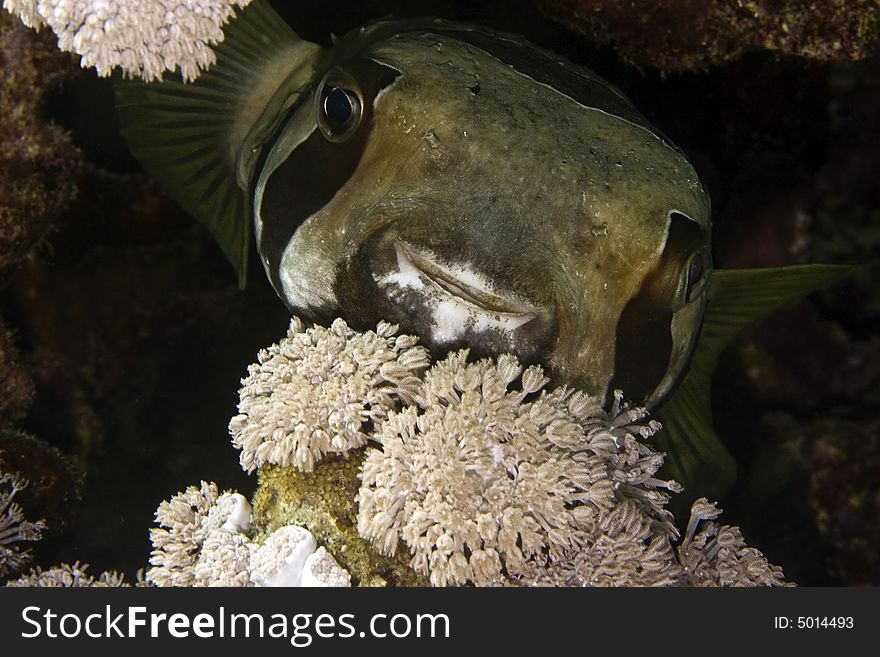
x: 466, y: 285
x: 457, y: 301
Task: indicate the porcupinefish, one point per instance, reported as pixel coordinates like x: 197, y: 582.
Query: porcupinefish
x: 475, y: 189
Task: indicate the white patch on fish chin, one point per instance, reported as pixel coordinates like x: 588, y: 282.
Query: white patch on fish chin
x: 307, y: 275
x: 451, y: 315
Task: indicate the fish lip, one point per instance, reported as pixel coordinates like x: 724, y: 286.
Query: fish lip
x: 474, y: 294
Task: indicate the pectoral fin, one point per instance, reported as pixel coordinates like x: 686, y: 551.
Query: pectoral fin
x: 199, y: 139
x: 696, y: 457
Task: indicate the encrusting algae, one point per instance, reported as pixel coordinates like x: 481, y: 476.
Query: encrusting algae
x: 324, y: 502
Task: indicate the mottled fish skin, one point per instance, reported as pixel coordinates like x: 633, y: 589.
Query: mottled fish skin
x: 495, y: 197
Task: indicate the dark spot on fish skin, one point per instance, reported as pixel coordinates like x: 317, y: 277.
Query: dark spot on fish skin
x: 475, y: 89
x: 315, y: 171
x: 643, y: 344
x: 439, y: 160
x: 582, y: 239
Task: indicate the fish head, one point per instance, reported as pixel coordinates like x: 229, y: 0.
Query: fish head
x: 430, y: 182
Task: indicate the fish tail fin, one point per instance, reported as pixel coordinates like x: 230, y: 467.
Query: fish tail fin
x: 200, y: 140
x: 738, y: 298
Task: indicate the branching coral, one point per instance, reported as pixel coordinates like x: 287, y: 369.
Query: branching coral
x: 14, y: 529
x: 144, y: 38
x: 203, y: 541
x: 318, y: 392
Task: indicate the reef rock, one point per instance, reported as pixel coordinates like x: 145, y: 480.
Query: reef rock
x: 681, y: 35
x: 37, y: 161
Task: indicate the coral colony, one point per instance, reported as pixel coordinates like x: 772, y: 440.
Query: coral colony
x: 69, y: 576
x: 14, y: 529
x: 203, y: 541
x: 477, y: 470
x: 313, y: 393
x: 480, y: 472
x: 144, y: 38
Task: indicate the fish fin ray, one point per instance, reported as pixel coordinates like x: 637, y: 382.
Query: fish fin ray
x: 738, y: 298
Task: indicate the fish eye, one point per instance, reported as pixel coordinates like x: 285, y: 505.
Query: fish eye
x: 339, y: 107
x: 697, y: 269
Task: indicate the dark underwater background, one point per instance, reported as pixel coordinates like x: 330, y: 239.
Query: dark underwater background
x: 123, y: 334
